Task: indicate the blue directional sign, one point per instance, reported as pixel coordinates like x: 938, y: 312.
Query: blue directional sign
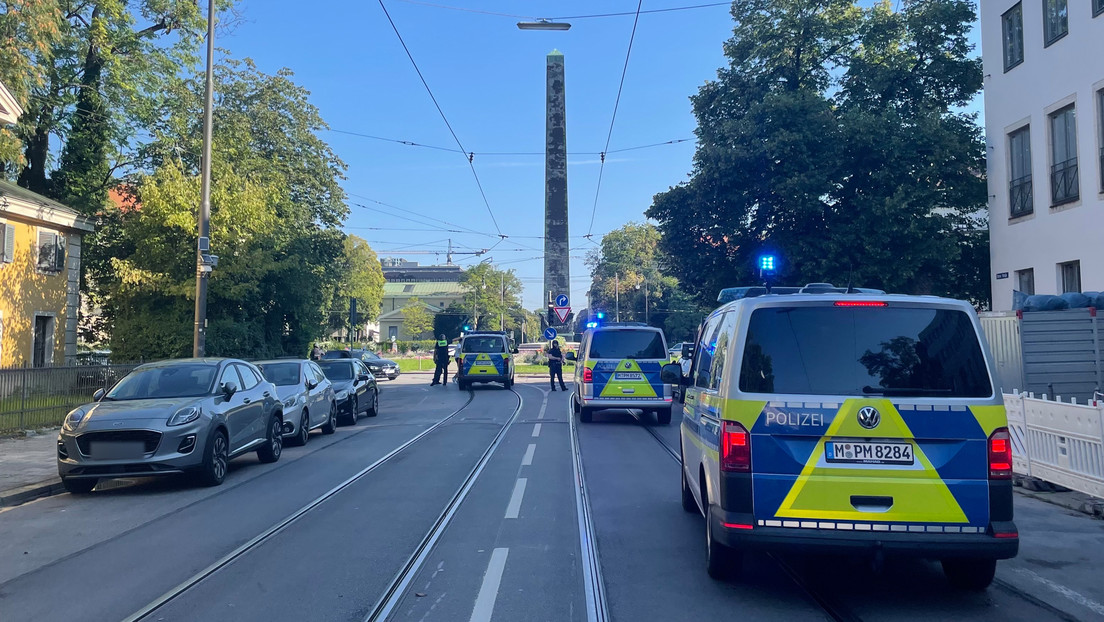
x: 561, y: 301
x: 550, y: 333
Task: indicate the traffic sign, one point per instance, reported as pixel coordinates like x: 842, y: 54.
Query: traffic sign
x: 550, y: 333
x: 561, y: 313
x: 561, y: 301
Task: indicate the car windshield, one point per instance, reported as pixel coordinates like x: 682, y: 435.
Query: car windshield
x: 627, y: 344
x: 894, y: 351
x: 371, y: 356
x: 337, y: 370
x: 484, y: 345
x: 281, y: 374
x: 185, y: 380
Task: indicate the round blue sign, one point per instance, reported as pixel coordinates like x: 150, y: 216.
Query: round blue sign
x: 550, y: 333
x: 561, y: 301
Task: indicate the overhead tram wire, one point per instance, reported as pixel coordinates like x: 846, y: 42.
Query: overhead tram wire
x: 471, y: 156
x: 566, y: 17
x: 411, y: 143
x: 613, y: 119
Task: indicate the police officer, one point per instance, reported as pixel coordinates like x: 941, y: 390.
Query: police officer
x: 441, y: 358
x: 555, y: 365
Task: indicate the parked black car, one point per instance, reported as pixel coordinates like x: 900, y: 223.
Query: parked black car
x: 354, y: 387
x: 379, y: 366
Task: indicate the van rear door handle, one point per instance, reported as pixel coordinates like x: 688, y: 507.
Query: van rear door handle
x: 873, y: 504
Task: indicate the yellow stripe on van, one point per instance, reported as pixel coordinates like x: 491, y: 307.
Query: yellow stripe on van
x: 919, y: 495
x: 636, y: 388
x: 990, y: 417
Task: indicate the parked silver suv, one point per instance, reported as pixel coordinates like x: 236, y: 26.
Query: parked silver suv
x: 189, y: 415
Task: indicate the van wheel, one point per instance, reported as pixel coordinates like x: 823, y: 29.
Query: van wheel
x: 973, y: 575
x: 575, y: 406
x: 664, y: 416
x: 723, y: 562
x: 688, y: 502
x: 586, y: 415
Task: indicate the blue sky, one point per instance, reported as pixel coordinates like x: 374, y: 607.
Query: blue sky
x: 488, y: 77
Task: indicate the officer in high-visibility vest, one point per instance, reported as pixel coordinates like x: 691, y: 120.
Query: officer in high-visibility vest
x: 441, y: 358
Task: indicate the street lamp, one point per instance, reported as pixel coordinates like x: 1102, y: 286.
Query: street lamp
x: 544, y: 24
x: 205, y: 261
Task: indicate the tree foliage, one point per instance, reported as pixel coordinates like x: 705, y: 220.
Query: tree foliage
x: 834, y: 139
x: 491, y: 293
x: 417, y: 320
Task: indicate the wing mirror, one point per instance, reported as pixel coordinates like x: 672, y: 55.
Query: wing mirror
x: 671, y: 374
x: 687, y: 350
x: 98, y: 395
x: 571, y: 356
x: 363, y: 377
x: 229, y: 389
x: 312, y: 384
x: 514, y: 351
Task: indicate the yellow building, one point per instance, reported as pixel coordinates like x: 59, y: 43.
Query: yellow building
x: 40, y: 250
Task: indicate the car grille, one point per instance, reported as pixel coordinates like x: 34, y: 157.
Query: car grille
x: 149, y: 438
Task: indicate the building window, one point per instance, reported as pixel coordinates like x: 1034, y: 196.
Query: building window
x: 1065, y: 184
x: 1098, y: 7
x: 7, y: 243
x: 1055, y: 20
x: 1025, y: 281
x: 1071, y: 276
x: 51, y: 251
x: 1012, y: 26
x: 1020, y: 189
x: 42, y: 351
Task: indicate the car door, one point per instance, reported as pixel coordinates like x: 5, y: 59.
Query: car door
x: 256, y: 398
x: 234, y: 408
x: 360, y: 387
x: 701, y: 419
x: 317, y: 401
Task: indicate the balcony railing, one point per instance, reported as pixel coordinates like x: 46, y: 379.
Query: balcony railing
x: 1065, y: 185
x: 1021, y: 196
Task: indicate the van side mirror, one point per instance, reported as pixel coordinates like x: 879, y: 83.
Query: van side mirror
x: 514, y: 351
x: 571, y: 356
x: 98, y: 395
x: 671, y: 374
x: 687, y: 350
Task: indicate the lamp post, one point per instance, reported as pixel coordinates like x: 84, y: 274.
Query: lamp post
x: 543, y: 24
x: 205, y: 261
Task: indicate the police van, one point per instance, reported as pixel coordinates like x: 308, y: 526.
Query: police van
x: 618, y: 366
x: 853, y: 423
x: 484, y: 356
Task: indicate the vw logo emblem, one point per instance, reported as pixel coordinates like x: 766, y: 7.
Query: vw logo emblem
x: 869, y: 417
x: 628, y: 365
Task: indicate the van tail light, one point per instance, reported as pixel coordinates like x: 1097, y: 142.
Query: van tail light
x: 735, y: 447
x: 588, y: 374
x: 1000, y: 454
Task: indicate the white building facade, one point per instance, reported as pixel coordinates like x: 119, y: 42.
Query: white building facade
x: 1044, y: 125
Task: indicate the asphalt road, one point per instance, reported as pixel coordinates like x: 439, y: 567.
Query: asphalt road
x: 468, y: 506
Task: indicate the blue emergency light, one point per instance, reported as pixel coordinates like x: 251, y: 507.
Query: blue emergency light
x: 592, y: 324
x: 601, y: 315
x: 766, y: 263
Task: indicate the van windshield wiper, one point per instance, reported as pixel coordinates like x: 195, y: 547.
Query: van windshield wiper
x: 903, y: 391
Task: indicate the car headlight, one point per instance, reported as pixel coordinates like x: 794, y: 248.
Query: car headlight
x: 184, y: 415
x: 342, y: 395
x: 74, y: 418
x: 292, y: 402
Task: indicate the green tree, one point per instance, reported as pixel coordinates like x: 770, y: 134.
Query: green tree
x: 833, y: 138
x: 490, y: 294
x: 28, y: 32
x: 417, y: 320
x: 627, y: 275
x: 361, y: 278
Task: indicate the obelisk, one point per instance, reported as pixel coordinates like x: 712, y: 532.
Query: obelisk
x: 557, y: 270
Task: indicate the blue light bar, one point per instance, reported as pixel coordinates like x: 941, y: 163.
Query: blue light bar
x: 766, y: 263
x: 592, y: 324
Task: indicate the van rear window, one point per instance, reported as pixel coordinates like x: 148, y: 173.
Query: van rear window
x: 627, y: 344
x: 881, y: 351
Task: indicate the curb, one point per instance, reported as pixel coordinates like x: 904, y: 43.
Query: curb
x: 30, y: 492
x: 1074, y: 501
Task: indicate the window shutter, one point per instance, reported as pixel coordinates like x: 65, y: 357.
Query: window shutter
x: 46, y: 243
x: 9, y: 243
x: 59, y: 264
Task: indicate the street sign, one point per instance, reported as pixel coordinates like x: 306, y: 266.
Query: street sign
x: 561, y: 313
x: 561, y: 301
x: 550, y: 333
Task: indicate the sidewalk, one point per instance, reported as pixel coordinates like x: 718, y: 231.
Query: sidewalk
x: 28, y: 468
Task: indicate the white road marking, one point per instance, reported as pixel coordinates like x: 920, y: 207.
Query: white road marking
x: 527, y: 459
x: 1076, y: 597
x: 536, y: 430
x: 488, y: 592
x: 544, y: 405
x: 514, y: 508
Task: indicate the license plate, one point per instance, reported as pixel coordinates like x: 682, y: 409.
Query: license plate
x: 628, y: 375
x: 117, y: 450
x: 868, y: 453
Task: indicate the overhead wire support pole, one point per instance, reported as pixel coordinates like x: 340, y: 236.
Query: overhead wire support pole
x: 204, y: 261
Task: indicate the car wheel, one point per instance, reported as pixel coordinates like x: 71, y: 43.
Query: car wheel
x: 970, y: 574
x: 374, y: 410
x: 331, y: 422
x: 509, y: 383
x: 723, y: 562
x: 78, y: 486
x: 462, y: 385
x: 664, y: 416
x: 354, y: 411
x: 216, y: 460
x: 274, y: 446
x: 303, y: 435
x: 586, y: 415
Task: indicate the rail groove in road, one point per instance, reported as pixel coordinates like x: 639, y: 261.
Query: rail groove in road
x: 397, y: 589
x: 593, y: 585
x: 229, y: 558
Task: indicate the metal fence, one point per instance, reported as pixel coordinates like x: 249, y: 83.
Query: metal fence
x: 34, y: 397
x: 1060, y: 442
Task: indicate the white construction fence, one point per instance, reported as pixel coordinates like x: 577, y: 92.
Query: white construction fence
x: 1059, y: 442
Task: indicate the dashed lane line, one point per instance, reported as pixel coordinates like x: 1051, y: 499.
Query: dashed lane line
x: 514, y: 508
x: 536, y: 430
x: 488, y: 592
x: 527, y: 459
